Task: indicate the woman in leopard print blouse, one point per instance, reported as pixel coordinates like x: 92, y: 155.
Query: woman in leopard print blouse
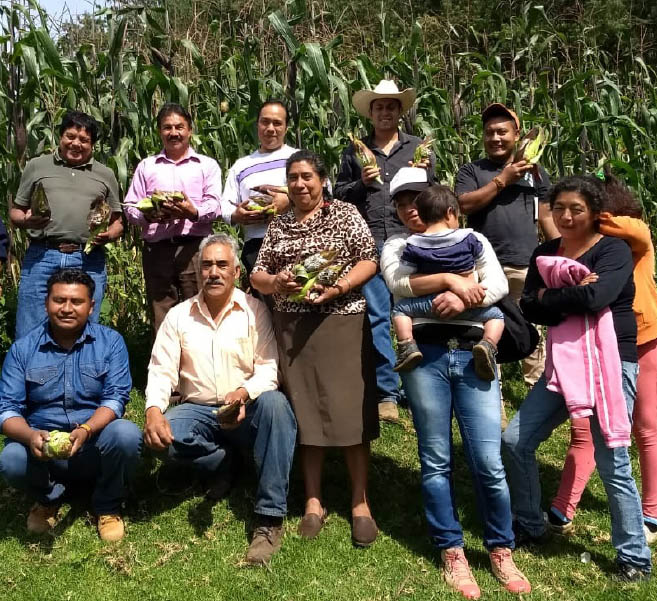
x: 324, y: 341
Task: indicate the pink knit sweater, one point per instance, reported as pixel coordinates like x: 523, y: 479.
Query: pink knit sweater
x: 582, y: 361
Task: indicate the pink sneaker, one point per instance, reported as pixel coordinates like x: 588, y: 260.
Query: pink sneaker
x: 507, y: 573
x: 456, y: 571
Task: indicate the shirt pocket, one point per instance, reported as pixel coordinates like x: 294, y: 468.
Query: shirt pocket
x: 92, y: 376
x: 41, y: 383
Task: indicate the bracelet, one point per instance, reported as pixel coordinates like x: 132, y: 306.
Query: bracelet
x: 497, y: 180
x: 346, y: 277
x: 88, y: 429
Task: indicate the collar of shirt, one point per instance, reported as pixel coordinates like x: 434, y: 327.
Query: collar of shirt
x: 237, y: 301
x: 47, y: 338
x: 59, y: 160
x: 403, y: 139
x: 190, y: 155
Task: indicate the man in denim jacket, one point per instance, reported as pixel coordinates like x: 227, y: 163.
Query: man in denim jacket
x: 71, y: 375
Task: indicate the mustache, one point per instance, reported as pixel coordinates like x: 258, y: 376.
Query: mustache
x: 214, y: 281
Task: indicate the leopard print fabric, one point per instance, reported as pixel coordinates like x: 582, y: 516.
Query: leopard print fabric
x: 338, y: 226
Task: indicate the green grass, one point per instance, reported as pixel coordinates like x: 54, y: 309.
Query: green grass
x: 180, y: 547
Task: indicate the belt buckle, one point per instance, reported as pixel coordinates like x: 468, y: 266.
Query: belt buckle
x: 453, y: 344
x: 68, y: 247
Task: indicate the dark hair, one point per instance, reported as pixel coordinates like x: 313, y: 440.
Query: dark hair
x: 70, y: 275
x: 589, y: 188
x: 309, y: 157
x: 619, y: 199
x: 79, y: 120
x: 271, y: 101
x: 172, y: 108
x: 433, y: 204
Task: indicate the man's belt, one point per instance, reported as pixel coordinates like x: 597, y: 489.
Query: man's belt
x: 177, y: 240
x: 63, y: 246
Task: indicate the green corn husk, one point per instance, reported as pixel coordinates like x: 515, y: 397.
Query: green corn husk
x: 261, y: 202
x: 39, y: 202
x: 58, y: 445
x: 364, y: 155
x: 300, y: 274
x: 307, y: 272
x: 98, y: 221
x: 151, y: 204
x: 315, y: 263
x: 423, y: 151
x: 531, y: 146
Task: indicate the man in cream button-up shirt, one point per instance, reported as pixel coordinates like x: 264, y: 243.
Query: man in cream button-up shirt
x: 218, y: 351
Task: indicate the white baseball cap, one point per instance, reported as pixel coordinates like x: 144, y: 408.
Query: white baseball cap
x: 409, y: 178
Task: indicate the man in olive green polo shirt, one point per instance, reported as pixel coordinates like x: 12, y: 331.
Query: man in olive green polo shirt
x: 72, y: 182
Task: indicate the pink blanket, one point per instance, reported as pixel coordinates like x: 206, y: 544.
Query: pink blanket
x: 582, y: 361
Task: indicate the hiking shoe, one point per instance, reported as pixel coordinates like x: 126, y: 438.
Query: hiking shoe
x: 456, y: 571
x: 110, y: 527
x: 650, y: 530
x: 408, y: 356
x: 42, y: 518
x: 505, y: 570
x: 265, y: 542
x: 483, y: 355
x: 561, y: 526
x: 629, y: 573
x: 388, y: 411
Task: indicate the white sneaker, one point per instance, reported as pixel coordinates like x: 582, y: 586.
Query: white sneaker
x: 651, y: 537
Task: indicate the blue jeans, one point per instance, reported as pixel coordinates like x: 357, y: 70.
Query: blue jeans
x: 443, y: 383
x: 420, y: 306
x: 39, y: 264
x: 540, y: 413
x: 110, y: 458
x: 269, y: 428
x: 378, y: 299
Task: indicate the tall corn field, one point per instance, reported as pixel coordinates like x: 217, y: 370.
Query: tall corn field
x: 221, y: 58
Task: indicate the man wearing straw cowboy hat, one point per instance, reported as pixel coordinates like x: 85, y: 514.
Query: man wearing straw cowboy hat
x: 369, y: 189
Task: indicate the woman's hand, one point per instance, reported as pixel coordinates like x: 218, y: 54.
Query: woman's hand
x: 591, y: 278
x: 318, y: 294
x: 470, y: 292
x: 285, y: 284
x: 447, y: 304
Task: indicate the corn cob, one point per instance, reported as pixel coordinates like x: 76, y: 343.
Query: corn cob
x: 261, y: 202
x: 422, y: 152
x: 97, y: 220
x: 364, y: 155
x: 531, y: 146
x: 39, y: 202
x: 58, y: 445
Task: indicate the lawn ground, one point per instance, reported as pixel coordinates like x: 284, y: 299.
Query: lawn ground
x: 180, y: 547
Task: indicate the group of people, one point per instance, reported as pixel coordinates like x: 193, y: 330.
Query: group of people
x: 306, y: 357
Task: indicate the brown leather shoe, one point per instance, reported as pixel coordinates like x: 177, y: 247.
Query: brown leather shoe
x: 363, y: 531
x: 311, y: 524
x: 388, y: 411
x: 42, y: 518
x: 265, y: 542
x: 110, y: 527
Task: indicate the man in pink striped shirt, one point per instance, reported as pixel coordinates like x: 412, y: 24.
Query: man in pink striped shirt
x: 172, y: 236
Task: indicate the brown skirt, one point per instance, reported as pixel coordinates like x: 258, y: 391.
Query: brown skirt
x: 327, y: 362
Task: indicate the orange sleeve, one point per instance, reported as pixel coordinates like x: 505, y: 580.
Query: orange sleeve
x: 634, y: 231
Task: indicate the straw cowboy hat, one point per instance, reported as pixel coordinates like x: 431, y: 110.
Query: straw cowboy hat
x: 386, y: 88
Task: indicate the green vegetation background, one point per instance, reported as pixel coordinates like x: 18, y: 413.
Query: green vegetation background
x: 585, y: 71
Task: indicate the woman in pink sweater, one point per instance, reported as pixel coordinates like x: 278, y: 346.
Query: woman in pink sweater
x: 622, y: 219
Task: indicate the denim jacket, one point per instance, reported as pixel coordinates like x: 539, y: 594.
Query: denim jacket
x: 55, y: 388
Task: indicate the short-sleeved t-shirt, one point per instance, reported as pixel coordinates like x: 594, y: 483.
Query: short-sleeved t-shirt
x: 70, y: 192
x: 509, y: 220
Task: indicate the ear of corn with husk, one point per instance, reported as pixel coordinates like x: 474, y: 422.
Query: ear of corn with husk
x: 531, y: 146
x: 98, y: 221
x: 261, y: 202
x: 39, y: 202
x: 151, y: 204
x: 58, y: 445
x: 422, y: 152
x: 307, y: 272
x: 364, y: 155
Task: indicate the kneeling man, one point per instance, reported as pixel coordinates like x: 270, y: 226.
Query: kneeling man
x: 218, y: 351
x: 70, y: 375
